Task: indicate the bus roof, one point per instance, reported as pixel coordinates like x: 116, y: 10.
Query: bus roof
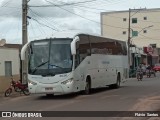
x: 74, y: 34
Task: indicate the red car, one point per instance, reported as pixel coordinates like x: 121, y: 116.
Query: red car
x: 157, y: 67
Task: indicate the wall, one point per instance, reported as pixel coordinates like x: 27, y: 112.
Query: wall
x: 113, y: 26
x: 8, y: 54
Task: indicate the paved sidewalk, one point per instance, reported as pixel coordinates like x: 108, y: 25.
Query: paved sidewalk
x: 13, y: 94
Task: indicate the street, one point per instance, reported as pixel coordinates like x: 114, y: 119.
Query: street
x: 133, y: 95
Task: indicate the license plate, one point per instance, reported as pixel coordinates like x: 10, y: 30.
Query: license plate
x: 48, y: 88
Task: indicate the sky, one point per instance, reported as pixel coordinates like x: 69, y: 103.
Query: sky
x: 50, y: 16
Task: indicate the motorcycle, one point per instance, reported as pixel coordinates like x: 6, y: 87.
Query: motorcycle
x: 139, y: 75
x: 17, y: 86
x: 148, y: 73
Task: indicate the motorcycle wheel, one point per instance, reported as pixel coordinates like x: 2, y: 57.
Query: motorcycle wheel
x: 8, y: 92
x: 26, y: 91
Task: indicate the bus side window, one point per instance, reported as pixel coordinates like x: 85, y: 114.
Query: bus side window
x: 77, y: 62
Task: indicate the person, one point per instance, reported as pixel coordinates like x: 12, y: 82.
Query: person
x: 148, y: 70
x: 148, y: 67
x: 139, y: 72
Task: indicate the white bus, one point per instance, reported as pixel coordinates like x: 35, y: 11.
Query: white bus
x: 70, y: 63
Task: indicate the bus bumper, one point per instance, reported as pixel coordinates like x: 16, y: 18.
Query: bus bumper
x: 56, y: 89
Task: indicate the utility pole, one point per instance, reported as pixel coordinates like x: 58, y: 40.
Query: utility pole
x: 129, y: 37
x: 24, y: 39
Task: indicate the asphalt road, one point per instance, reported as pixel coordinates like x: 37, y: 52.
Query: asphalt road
x: 133, y: 95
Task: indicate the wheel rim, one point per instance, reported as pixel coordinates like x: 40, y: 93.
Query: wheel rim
x: 8, y: 92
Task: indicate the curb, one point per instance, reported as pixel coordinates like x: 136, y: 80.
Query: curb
x: 14, y: 94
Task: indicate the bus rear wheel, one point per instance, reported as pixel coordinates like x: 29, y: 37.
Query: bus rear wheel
x: 117, y: 84
x: 87, y: 88
x: 49, y: 95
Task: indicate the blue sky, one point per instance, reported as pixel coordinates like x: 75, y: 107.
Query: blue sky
x: 83, y: 16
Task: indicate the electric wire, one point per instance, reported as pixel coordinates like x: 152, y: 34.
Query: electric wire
x: 44, y: 20
x: 66, y: 4
x: 85, y: 17
x: 37, y: 24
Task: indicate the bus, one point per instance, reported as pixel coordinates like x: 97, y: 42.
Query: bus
x: 69, y: 63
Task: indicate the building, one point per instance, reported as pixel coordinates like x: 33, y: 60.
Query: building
x: 144, y: 26
x: 9, y: 65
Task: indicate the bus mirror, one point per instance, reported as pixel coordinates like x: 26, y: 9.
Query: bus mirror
x: 23, y: 51
x: 73, y: 45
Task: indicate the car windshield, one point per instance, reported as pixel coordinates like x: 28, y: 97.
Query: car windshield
x: 50, y: 57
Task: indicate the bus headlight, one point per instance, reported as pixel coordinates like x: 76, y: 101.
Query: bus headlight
x: 69, y: 81
x: 32, y: 83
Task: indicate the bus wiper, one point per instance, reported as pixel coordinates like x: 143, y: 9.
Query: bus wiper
x: 43, y: 63
x: 55, y: 66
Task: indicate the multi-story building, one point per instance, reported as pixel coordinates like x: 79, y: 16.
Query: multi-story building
x: 144, y: 26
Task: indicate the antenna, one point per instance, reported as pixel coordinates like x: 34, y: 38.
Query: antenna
x: 2, y: 42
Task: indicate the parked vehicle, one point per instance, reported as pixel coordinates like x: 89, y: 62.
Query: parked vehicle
x: 156, y: 67
x: 17, y: 86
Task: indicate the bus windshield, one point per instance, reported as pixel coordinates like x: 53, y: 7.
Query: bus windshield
x: 50, y: 57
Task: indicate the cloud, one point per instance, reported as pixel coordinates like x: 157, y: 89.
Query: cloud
x: 11, y: 19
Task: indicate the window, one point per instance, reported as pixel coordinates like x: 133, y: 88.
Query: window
x: 107, y: 46
x: 144, y: 31
x: 145, y: 18
x: 134, y: 20
x: 8, y: 68
x: 124, y: 19
x: 83, y: 48
x: 124, y: 32
x: 134, y: 33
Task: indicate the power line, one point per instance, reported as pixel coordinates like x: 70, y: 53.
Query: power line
x: 43, y: 24
x: 5, y: 4
x: 149, y: 37
x: 43, y: 19
x: 37, y: 24
x: 84, y: 17
x: 66, y: 4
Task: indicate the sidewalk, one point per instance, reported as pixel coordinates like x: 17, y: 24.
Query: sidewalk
x: 13, y: 95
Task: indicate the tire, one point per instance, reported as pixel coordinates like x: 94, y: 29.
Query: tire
x: 117, y: 84
x: 26, y: 91
x: 87, y: 88
x: 8, y: 92
x: 49, y: 95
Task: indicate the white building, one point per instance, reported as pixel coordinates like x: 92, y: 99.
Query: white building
x: 144, y: 24
x: 9, y: 65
